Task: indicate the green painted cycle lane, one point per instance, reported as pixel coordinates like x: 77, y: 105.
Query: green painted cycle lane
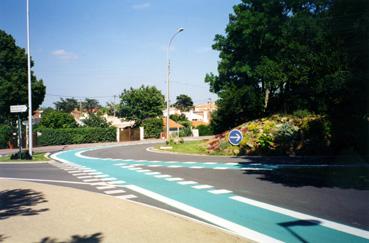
x: 274, y: 224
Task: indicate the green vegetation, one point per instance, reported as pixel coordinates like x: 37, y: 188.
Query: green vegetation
x: 57, y: 119
x: 94, y: 120
x: 286, y: 56
x: 153, y: 127
x: 191, y: 147
x: 205, y: 130
x: 66, y: 105
x: 5, y: 135
x: 80, y: 135
x: 35, y: 157
x: 140, y: 104
x: 183, y: 103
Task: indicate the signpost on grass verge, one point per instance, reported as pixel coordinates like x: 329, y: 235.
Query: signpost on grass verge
x: 235, y: 137
x: 19, y: 109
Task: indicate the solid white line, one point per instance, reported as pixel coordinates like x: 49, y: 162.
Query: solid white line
x: 130, y: 196
x: 163, y: 176
x: 231, y: 163
x: 105, y: 187
x: 210, y: 163
x: 171, y: 162
x: 187, y: 182
x: 114, y: 192
x: 220, y: 191
x: 202, y: 186
x: 152, y: 173
x: 174, y: 166
x: 302, y: 216
x: 196, y: 167
x: 189, y: 162
x: 240, y: 230
x: 154, y: 165
x: 56, y: 181
x: 174, y: 179
x: 220, y: 168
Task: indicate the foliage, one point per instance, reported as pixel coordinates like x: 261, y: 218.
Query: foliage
x: 142, y: 103
x: 57, y: 119
x: 5, y: 135
x: 205, y: 130
x: 185, y: 131
x: 94, y: 120
x: 183, y: 102
x: 24, y: 155
x: 178, y: 118
x: 153, y: 127
x: 90, y: 105
x: 66, y: 105
x: 75, y: 135
x: 13, y: 78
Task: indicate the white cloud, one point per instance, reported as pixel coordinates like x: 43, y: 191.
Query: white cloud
x: 63, y: 54
x: 141, y: 6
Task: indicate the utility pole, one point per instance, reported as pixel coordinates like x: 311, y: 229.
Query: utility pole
x: 30, y: 144
x: 114, y: 105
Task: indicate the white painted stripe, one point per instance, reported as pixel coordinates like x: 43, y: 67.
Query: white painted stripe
x: 174, y: 166
x: 136, y: 164
x: 120, y: 164
x: 95, y: 173
x: 163, y: 176
x: 84, y: 177
x: 152, y: 173
x: 171, y: 162
x: 117, y: 182
x: 99, y: 184
x: 220, y: 191
x: 210, y: 163
x: 236, y: 228
x: 187, y: 182
x: 174, y: 179
x: 127, y: 166
x: 154, y: 165
x: 231, y: 163
x: 105, y: 187
x: 89, y: 170
x: 101, y: 176
x: 130, y: 196
x: 220, y: 168
x: 135, y: 168
x: 108, y: 179
x: 141, y: 160
x: 42, y: 180
x: 202, y: 186
x: 114, y: 192
x: 91, y: 180
x: 79, y: 174
x: 74, y: 171
x: 196, y: 167
x: 189, y: 162
x: 143, y: 170
x: 302, y: 216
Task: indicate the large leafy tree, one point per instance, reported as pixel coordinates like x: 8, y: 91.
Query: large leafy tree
x: 94, y: 120
x: 90, y: 105
x: 13, y: 78
x: 66, y: 105
x: 183, y: 102
x: 58, y: 119
x: 141, y: 103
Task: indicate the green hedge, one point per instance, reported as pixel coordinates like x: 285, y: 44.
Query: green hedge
x: 62, y: 136
x: 205, y: 130
x: 153, y: 127
x: 5, y: 135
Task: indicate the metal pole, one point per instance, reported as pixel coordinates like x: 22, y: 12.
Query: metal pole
x: 168, y: 77
x: 29, y: 87
x: 20, y: 136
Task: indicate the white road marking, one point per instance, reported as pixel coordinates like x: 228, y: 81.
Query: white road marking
x: 101, y: 176
x: 89, y: 171
x: 220, y: 191
x: 108, y: 179
x: 105, y: 187
x: 135, y: 168
x: 163, y: 176
x: 189, y: 162
x: 174, y: 166
x: 171, y: 162
x: 84, y: 177
x: 130, y: 196
x: 91, y: 180
x: 74, y: 171
x: 152, y: 173
x: 120, y: 164
x: 117, y: 182
x: 210, y: 163
x: 196, y: 167
x: 220, y: 168
x: 79, y: 174
x: 42, y: 180
x: 95, y: 173
x: 127, y: 166
x: 187, y: 182
x: 136, y: 164
x: 174, y: 179
x: 114, y: 192
x: 99, y: 184
x: 236, y: 228
x: 302, y: 216
x: 231, y: 163
x: 154, y: 165
x: 143, y: 170
x: 202, y: 186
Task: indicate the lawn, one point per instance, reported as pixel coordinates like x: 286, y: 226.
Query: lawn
x: 190, y: 147
x: 36, y: 157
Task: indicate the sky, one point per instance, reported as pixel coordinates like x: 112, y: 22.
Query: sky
x: 98, y: 48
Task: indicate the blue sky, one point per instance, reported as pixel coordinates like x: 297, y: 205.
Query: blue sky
x: 97, y: 48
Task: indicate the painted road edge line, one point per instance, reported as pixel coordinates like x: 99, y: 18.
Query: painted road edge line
x: 240, y: 230
x: 43, y: 180
x: 302, y: 216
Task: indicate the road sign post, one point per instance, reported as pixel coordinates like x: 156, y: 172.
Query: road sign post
x: 235, y: 137
x: 19, y: 109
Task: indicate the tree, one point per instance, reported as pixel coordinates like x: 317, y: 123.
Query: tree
x: 94, y: 120
x: 67, y: 105
x: 13, y: 78
x: 58, y: 119
x: 142, y: 103
x: 183, y: 103
x: 90, y: 105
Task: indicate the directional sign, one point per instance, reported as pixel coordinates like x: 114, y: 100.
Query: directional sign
x: 18, y: 108
x: 235, y: 137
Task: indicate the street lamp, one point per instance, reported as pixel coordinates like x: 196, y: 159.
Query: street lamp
x: 168, y: 74
x: 29, y: 87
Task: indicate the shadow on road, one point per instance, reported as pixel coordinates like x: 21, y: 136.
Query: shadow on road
x: 19, y: 202
x: 94, y: 238
x: 341, y: 177
x: 298, y: 223
x: 2, y: 238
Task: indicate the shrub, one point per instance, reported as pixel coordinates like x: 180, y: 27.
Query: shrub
x: 205, y: 130
x: 94, y: 120
x: 5, y: 135
x: 185, y: 132
x: 75, y: 135
x: 57, y: 119
x: 302, y: 113
x: 153, y: 127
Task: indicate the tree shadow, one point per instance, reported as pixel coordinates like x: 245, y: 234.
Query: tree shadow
x: 343, y: 177
x: 2, y: 238
x: 94, y: 238
x: 19, y: 202
x: 306, y: 223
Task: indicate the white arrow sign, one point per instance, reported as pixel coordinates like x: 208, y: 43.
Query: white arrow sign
x: 18, y: 108
x: 237, y: 137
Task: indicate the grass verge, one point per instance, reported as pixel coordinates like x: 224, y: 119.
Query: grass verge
x: 190, y: 147
x: 35, y: 157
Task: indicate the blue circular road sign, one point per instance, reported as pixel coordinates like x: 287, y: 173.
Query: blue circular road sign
x: 235, y: 137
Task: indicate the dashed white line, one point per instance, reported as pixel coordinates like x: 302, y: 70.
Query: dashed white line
x: 174, y: 179
x: 220, y: 191
x: 196, y: 167
x: 143, y: 170
x: 154, y: 165
x: 80, y: 174
x: 117, y: 182
x: 135, y: 168
x: 108, y: 179
x: 174, y: 166
x: 189, y: 162
x: 91, y: 180
x: 231, y: 163
x: 187, y: 182
x: 210, y: 163
x: 114, y: 192
x: 84, y: 177
x: 105, y: 187
x: 152, y: 173
x: 101, y: 176
x: 162, y: 176
x: 130, y: 196
x: 220, y: 168
x: 202, y: 186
